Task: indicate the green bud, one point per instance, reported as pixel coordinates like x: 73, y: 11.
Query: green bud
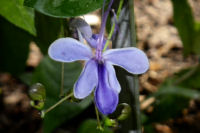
x: 110, y: 122
x: 37, y: 94
x: 126, y: 111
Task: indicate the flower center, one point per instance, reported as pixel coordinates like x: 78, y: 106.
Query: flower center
x: 99, y: 49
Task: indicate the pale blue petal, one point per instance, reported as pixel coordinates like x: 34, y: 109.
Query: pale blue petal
x: 106, y: 98
x: 80, y: 37
x: 132, y: 59
x: 87, y: 80
x: 82, y: 26
x: 91, y: 41
x: 112, y: 79
x: 69, y: 50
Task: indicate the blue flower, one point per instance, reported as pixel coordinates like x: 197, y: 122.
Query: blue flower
x: 98, y: 74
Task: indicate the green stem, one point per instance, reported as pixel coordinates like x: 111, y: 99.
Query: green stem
x: 58, y: 103
x: 113, y: 26
x: 135, y: 89
x: 98, y: 120
x: 62, y: 79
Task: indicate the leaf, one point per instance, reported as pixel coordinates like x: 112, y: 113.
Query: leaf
x: 184, y: 22
x: 64, y: 8
x: 49, y: 74
x: 170, y: 101
x: 178, y: 91
x: 90, y: 126
x: 16, y: 13
x: 191, y: 77
x: 14, y: 47
x: 197, y: 38
x: 48, y: 30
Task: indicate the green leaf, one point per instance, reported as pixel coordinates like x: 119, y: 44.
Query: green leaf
x: 184, y: 22
x: 48, y: 30
x: 16, y: 13
x: 173, y: 99
x: 191, y: 77
x: 14, y: 47
x: 64, y: 8
x: 90, y: 126
x: 178, y: 91
x: 174, y: 95
x: 197, y: 38
x: 49, y: 74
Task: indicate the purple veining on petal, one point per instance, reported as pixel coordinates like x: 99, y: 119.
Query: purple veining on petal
x: 69, y: 50
x: 132, y: 59
x: 106, y: 98
x: 87, y: 80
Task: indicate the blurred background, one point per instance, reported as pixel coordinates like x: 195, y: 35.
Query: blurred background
x: 167, y: 30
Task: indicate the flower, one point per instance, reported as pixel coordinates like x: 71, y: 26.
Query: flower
x: 98, y: 73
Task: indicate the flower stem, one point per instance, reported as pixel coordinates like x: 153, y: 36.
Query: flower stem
x: 135, y: 89
x: 62, y: 79
x: 58, y: 103
x: 113, y: 26
x: 98, y: 120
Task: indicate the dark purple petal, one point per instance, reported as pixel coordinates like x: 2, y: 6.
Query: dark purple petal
x: 69, y: 50
x: 132, y: 59
x: 87, y: 80
x: 112, y: 79
x: 106, y: 98
x: 82, y: 26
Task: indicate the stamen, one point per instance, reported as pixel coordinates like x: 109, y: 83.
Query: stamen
x: 101, y: 34
x: 113, y: 26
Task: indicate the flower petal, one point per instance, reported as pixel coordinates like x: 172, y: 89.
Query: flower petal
x: 87, y: 80
x: 132, y: 59
x: 93, y: 41
x: 80, y: 37
x: 69, y: 50
x: 82, y: 26
x: 106, y: 98
x: 112, y: 79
